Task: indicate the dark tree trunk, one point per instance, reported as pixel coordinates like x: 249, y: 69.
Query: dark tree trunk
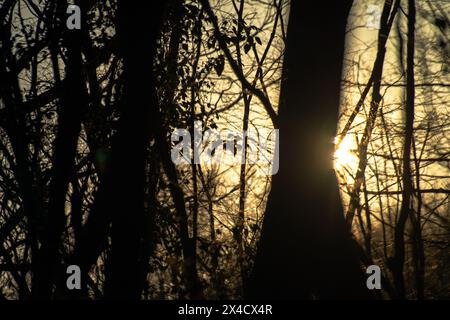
x: 407, y: 192
x: 73, y: 102
x: 305, y: 249
x: 138, y: 30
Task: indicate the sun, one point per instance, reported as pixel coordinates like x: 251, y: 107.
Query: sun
x: 344, y: 156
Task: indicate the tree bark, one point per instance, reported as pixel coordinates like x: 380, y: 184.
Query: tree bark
x: 305, y: 250
x: 405, y: 210
x: 130, y: 144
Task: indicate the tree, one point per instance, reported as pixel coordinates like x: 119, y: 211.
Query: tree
x: 405, y: 211
x: 73, y: 104
x: 129, y: 149
x: 305, y: 249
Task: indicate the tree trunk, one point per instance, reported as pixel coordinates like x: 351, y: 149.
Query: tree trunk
x: 73, y: 102
x: 387, y: 19
x: 405, y: 210
x: 305, y: 250
x: 130, y: 144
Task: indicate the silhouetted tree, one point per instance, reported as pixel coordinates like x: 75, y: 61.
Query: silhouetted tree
x: 405, y: 211
x: 305, y: 249
x: 129, y: 148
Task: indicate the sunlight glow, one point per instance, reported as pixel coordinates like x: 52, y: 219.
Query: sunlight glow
x: 344, y: 156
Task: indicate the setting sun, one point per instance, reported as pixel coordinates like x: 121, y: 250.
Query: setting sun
x: 344, y: 156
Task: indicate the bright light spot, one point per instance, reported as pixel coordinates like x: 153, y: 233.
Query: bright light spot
x: 344, y: 156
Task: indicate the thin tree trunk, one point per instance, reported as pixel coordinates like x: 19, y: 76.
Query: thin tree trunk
x: 399, y: 241
x: 239, y: 228
x: 194, y: 93
x: 387, y: 19
x: 69, y: 125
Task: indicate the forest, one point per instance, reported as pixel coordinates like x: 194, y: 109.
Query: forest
x: 324, y: 149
